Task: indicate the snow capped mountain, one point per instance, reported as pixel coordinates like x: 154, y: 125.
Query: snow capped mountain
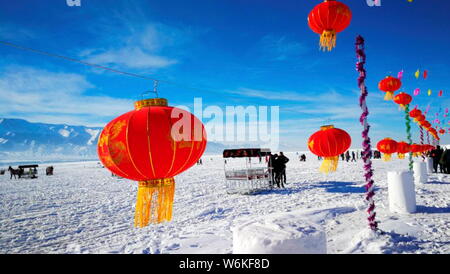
x: 20, y: 139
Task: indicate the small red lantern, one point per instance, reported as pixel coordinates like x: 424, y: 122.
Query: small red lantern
x: 419, y: 118
x: 389, y: 85
x: 327, y: 19
x: 329, y: 142
x: 152, y: 144
x: 387, y: 146
x: 402, y: 149
x: 402, y: 99
x: 442, y: 131
x: 414, y: 113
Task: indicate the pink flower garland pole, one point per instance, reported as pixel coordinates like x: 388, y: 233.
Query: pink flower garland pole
x: 421, y: 142
x: 367, y: 151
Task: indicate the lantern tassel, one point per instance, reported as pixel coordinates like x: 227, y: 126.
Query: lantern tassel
x: 328, y: 40
x: 389, y: 96
x: 401, y: 156
x: 329, y: 164
x: 386, y: 157
x: 154, y: 202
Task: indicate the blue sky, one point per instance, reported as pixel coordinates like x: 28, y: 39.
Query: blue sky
x: 226, y: 52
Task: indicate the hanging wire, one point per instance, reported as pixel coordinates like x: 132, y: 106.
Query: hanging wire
x: 156, y: 81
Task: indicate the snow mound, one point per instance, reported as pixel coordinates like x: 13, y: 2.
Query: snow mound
x: 371, y: 242
x: 289, y: 233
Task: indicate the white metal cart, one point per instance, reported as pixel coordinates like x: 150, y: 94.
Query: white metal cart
x: 249, y: 173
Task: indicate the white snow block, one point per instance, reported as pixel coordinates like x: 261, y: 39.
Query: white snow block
x: 420, y: 172
x: 279, y: 234
x: 429, y: 162
x: 401, y: 192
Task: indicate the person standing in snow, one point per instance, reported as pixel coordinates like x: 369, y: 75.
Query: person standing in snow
x: 280, y: 164
x: 353, y: 156
x: 436, y: 155
x: 347, y: 156
x: 271, y: 165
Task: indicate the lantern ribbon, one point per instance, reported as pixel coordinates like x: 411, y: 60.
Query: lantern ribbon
x: 366, y: 155
x: 154, y: 201
x: 408, y: 135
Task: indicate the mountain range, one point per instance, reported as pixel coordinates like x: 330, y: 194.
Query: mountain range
x: 23, y: 140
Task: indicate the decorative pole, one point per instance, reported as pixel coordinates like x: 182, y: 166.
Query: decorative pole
x: 367, y: 151
x: 408, y: 135
x: 421, y: 142
x: 428, y: 137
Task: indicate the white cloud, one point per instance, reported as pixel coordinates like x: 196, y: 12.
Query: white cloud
x: 139, y: 47
x: 55, y: 97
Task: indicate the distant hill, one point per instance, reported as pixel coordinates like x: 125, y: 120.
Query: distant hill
x: 23, y: 140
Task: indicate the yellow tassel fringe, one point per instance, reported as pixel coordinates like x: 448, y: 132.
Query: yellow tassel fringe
x: 389, y: 96
x: 329, y: 164
x: 328, y: 40
x: 401, y: 156
x: 154, y: 202
x: 387, y: 157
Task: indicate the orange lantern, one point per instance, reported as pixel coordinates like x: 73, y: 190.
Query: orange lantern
x: 389, y: 85
x: 151, y: 145
x: 402, y: 99
x: 402, y: 149
x: 387, y: 146
x: 327, y: 19
x: 329, y: 142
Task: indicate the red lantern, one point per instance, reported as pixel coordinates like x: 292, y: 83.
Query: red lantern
x: 329, y: 142
x: 152, y: 144
x: 389, y: 85
x: 416, y: 149
x: 414, y: 113
x: 327, y: 19
x: 387, y: 146
x: 402, y: 99
x: 442, y: 131
x: 402, y: 149
x: 419, y: 118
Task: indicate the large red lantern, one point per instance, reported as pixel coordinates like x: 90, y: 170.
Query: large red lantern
x: 387, y: 146
x: 328, y: 19
x: 151, y: 145
x: 402, y: 149
x: 402, y: 99
x: 329, y: 142
x: 389, y: 85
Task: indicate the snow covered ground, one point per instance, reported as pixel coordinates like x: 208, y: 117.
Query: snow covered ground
x: 83, y: 209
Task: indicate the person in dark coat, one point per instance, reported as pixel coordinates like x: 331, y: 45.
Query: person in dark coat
x: 343, y: 156
x: 353, y: 156
x: 447, y: 162
x: 443, y: 162
x: 280, y: 167
x: 347, y: 156
x: 436, y: 154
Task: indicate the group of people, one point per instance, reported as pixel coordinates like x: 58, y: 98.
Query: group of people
x: 277, y: 163
x: 441, y: 159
